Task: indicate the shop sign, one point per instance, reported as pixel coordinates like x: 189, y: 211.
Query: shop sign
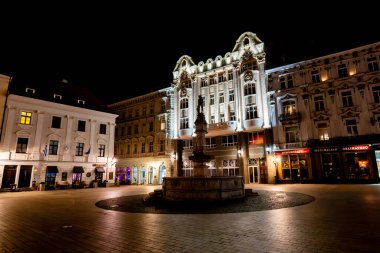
x: 355, y: 148
x: 293, y: 151
x: 326, y: 150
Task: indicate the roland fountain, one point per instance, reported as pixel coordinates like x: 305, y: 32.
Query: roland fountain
x: 201, y: 186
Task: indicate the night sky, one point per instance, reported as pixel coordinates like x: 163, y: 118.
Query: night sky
x: 125, y: 51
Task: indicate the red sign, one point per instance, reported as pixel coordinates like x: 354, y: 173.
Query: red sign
x: 293, y: 151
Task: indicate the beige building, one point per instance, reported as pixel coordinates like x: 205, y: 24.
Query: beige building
x: 4, y: 84
x: 143, y: 145
x: 326, y: 127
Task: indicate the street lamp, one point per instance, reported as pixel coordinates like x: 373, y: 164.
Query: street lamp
x: 275, y: 162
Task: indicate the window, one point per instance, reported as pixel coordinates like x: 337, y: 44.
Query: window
x: 151, y: 109
x: 212, y: 121
x: 187, y: 144
x: 163, y: 106
x: 221, y: 97
x: 251, y: 112
x: 101, y: 150
x: 372, y: 64
x: 229, y: 140
x: 249, y: 89
x: 162, y: 124
x: 232, y: 116
x: 142, y: 147
x: 231, y: 95
x: 289, y: 107
x: 129, y: 129
x: 26, y: 118
x: 291, y: 134
x: 53, y: 147
x: 162, y: 145
x: 376, y: 94
x: 255, y: 138
x: 137, y: 112
x: 80, y: 101
x: 30, y: 90
x: 136, y: 129
x: 184, y: 103
x: 319, y: 103
x: 128, y: 149
x: 79, y: 149
x: 57, y: 96
x: 230, y: 75
x: 221, y: 77
x: 286, y: 82
x: 144, y: 111
x: 212, y: 99
x: 315, y: 77
x: 210, y: 143
x: 342, y: 70
x: 347, y: 99
x: 323, y: 134
x: 203, y: 82
x: 352, y: 129
x: 212, y: 80
x: 184, y: 123
x: 151, y: 147
x: 221, y: 117
x: 56, y: 122
x: 22, y: 145
x: 150, y: 126
x: 102, y: 128
x: 81, y: 125
x: 135, y: 149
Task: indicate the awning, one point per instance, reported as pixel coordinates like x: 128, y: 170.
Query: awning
x: 52, y: 169
x: 99, y: 169
x: 78, y: 169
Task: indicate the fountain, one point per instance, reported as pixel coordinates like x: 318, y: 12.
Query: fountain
x: 201, y: 186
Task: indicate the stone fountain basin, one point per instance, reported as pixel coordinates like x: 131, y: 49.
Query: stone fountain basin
x: 203, y: 188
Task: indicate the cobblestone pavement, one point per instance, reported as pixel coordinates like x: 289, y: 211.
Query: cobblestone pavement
x: 343, y: 218
x: 265, y: 200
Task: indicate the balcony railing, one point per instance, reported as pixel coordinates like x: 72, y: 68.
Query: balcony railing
x: 290, y: 116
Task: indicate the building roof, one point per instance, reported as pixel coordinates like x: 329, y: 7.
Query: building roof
x: 57, y: 91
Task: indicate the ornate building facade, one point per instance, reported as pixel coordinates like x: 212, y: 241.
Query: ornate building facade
x: 315, y: 120
x: 328, y: 113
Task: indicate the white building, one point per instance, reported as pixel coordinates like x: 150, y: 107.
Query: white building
x: 50, y: 136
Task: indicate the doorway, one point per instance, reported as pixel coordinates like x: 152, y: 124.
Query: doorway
x: 25, y: 176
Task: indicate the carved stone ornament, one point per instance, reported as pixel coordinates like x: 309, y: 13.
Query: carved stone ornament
x: 183, y: 92
x: 184, y: 75
x: 247, y: 56
x: 248, y: 76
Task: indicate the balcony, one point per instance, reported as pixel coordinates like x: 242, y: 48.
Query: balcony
x: 290, y: 117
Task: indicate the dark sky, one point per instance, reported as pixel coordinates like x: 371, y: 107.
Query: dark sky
x: 123, y: 51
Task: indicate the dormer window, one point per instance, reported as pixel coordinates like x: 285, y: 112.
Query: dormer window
x: 80, y: 101
x: 57, y: 96
x: 30, y: 90
x: 246, y: 42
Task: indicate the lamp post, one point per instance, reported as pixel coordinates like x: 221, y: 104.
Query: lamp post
x: 275, y: 162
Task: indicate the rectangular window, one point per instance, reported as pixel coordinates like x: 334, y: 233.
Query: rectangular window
x: 162, y: 145
x: 203, y: 82
x: 347, y: 99
x: 221, y: 97
x: 150, y: 126
x: 210, y: 143
x: 128, y: 149
x: 129, y: 129
x: 372, y: 64
x: 79, y: 149
x: 151, y: 109
x: 376, y: 94
x: 230, y: 75
x: 315, y: 77
x: 220, y: 78
x: 282, y: 83
x: 22, y: 145
x: 212, y: 99
x: 229, y: 140
x: 232, y: 116
x: 26, y: 118
x: 221, y: 117
x: 231, y: 96
x: 291, y: 134
x: 163, y: 106
x: 212, y: 80
x: 255, y: 138
x: 290, y: 81
x: 187, y: 144
x: 323, y: 134
x: 101, y: 150
x: 251, y: 112
x: 352, y: 129
x: 212, y: 121
x: 56, y: 122
x: 53, y: 147
x: 135, y: 149
x: 136, y: 129
x: 102, y: 129
x: 319, y: 103
x: 342, y: 70
x: 144, y: 111
x: 81, y: 125
x: 151, y: 147
x: 142, y: 147
x: 184, y: 123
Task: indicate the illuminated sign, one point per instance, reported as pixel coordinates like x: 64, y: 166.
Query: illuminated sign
x: 293, y: 151
x: 325, y: 149
x: 354, y: 148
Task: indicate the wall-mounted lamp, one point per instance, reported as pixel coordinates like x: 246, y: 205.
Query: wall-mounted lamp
x: 239, y: 151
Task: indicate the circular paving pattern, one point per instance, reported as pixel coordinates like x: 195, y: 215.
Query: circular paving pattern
x: 265, y: 200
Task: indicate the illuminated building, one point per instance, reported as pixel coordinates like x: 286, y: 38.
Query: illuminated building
x: 57, y: 135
